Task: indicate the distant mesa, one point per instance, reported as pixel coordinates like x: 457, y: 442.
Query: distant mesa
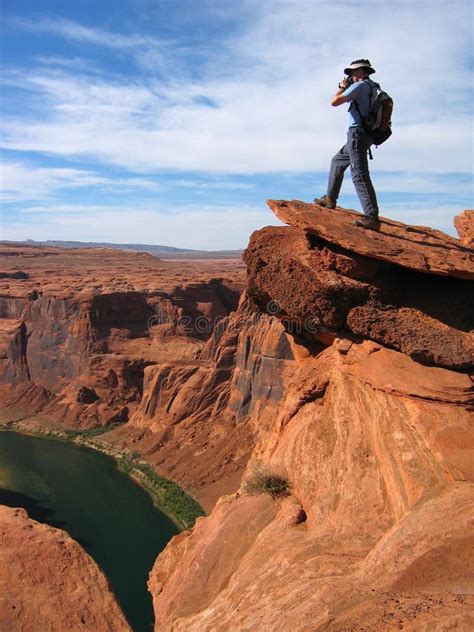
x: 165, y: 252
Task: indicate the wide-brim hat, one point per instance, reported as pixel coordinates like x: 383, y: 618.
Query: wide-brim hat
x: 354, y: 66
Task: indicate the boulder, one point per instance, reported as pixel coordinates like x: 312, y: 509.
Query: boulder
x: 409, y: 288
x: 464, y: 223
x: 414, y: 247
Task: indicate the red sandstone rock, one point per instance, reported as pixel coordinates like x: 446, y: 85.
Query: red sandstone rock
x: 344, y: 368
x: 464, y: 223
x: 95, y: 336
x: 377, y: 447
x: 378, y: 450
x: 195, y: 420
x: 415, y: 247
x: 317, y: 287
x: 416, y: 334
x: 49, y: 583
x: 213, y: 566
x: 94, y: 319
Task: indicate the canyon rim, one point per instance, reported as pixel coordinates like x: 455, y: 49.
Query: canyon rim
x: 337, y: 362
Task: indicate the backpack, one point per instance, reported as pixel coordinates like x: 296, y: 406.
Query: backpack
x: 378, y: 123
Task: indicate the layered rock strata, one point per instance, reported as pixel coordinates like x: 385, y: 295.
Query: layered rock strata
x: 88, y: 337
x: 371, y: 428
x: 344, y: 372
x: 195, y: 420
x: 75, y: 346
x: 320, y: 274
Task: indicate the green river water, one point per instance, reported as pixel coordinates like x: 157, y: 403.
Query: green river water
x: 82, y: 491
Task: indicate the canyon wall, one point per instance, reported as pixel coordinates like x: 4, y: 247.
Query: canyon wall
x: 358, y: 397
x: 99, y: 338
x: 341, y: 372
x: 79, y: 345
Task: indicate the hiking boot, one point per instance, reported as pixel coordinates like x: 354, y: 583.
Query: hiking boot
x: 368, y: 221
x: 325, y: 201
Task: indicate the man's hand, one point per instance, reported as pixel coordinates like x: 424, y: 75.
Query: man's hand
x: 343, y: 84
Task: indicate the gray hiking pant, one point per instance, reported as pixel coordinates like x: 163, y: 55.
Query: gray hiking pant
x: 354, y: 153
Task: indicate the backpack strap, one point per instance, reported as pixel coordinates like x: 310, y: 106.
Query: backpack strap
x: 362, y: 119
x: 354, y: 102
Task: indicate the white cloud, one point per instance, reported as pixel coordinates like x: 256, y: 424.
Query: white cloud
x: 77, y: 64
x: 270, y: 83
x: 74, y: 31
x: 59, y: 210
x: 21, y: 182
x: 420, y: 214
x: 422, y: 183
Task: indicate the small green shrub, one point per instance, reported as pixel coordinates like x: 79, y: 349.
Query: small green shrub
x: 100, y: 430
x: 125, y: 465
x: 263, y: 481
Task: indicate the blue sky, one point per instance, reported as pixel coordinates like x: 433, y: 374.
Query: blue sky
x: 171, y: 122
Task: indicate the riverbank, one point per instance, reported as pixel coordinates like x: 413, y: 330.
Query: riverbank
x: 166, y: 495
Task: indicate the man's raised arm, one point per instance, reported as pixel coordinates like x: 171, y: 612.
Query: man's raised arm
x: 338, y: 98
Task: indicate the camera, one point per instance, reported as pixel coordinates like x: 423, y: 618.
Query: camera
x: 345, y: 82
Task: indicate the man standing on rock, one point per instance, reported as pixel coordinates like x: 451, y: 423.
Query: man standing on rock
x: 358, y: 92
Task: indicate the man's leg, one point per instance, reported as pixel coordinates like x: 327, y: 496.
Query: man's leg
x: 358, y: 144
x: 339, y: 164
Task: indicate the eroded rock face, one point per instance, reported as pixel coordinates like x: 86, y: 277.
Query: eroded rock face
x: 464, y: 223
x: 322, y: 286
x: 49, y: 583
x: 371, y: 426
x: 195, y: 423
x: 98, y: 337
x: 343, y: 370
x: 414, y: 247
x: 378, y: 452
x: 82, y: 326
